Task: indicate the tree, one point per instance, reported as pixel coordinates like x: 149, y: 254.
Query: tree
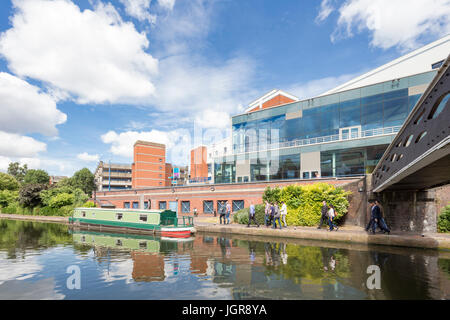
x: 8, y: 182
x: 36, y: 177
x: 84, y: 179
x: 29, y: 195
x: 17, y: 171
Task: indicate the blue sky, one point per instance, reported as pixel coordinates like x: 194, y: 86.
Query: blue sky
x: 82, y: 80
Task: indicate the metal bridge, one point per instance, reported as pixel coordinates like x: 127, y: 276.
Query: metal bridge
x: 419, y: 156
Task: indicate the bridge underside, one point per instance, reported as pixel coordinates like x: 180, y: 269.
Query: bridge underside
x: 434, y: 175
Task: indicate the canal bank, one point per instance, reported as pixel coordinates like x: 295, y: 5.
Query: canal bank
x: 346, y: 234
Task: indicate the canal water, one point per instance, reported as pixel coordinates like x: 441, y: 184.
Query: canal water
x: 50, y: 261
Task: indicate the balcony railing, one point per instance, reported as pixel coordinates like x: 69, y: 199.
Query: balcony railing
x: 324, y: 139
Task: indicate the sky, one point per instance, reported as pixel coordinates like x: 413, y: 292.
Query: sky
x: 82, y: 80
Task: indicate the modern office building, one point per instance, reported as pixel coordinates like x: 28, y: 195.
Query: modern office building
x: 112, y: 176
x: 343, y: 132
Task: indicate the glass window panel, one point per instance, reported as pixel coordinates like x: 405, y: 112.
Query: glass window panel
x: 326, y: 168
x: 372, y: 90
x: 349, y: 116
x: 329, y: 120
x: 372, y: 99
x: 413, y: 100
x: 372, y: 116
x: 354, y: 94
x: 395, y: 94
x: 395, y: 111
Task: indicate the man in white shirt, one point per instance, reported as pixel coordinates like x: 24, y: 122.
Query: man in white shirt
x: 283, y: 213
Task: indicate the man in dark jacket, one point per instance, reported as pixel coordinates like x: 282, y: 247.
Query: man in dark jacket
x: 324, y: 216
x: 375, y: 218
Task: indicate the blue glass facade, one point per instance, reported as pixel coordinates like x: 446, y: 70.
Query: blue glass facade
x: 365, y: 112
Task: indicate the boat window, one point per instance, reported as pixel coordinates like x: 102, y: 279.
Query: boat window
x: 143, y: 217
x: 119, y: 242
x: 143, y: 245
x: 119, y: 216
x: 83, y: 213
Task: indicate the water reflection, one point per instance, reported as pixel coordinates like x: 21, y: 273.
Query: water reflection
x: 34, y: 258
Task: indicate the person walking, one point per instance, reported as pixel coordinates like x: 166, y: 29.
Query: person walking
x: 252, y: 215
x: 222, y: 212
x: 382, y: 224
x: 324, y: 214
x: 372, y: 217
x: 331, y: 216
x: 283, y: 212
x: 267, y: 211
x: 276, y: 216
x: 228, y: 213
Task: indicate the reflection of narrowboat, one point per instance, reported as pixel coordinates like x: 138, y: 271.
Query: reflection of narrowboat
x: 133, y: 242
x: 162, y: 222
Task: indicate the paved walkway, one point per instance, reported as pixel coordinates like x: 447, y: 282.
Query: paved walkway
x: 349, y: 234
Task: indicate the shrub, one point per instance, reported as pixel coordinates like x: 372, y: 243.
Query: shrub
x: 241, y: 216
x: 444, y: 220
x: 7, y: 197
x: 30, y: 195
x: 89, y: 204
x: 8, y: 182
x: 304, y: 202
x: 61, y: 200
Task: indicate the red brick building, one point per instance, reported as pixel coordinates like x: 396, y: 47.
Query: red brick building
x: 149, y: 165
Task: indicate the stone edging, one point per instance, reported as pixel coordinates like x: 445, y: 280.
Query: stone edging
x: 429, y: 242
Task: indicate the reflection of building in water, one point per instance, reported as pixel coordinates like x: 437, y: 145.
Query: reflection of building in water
x: 147, y: 266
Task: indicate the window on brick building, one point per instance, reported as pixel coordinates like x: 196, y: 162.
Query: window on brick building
x: 135, y: 205
x: 126, y: 205
x: 162, y: 205
x: 185, y: 206
x: 208, y: 206
x: 237, y: 205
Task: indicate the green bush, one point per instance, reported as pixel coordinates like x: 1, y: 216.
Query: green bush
x: 89, y: 204
x: 61, y: 200
x: 7, y: 197
x: 78, y: 194
x: 304, y: 202
x: 8, y: 182
x: 241, y: 216
x: 444, y: 220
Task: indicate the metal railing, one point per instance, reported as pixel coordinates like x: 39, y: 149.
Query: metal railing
x: 183, y: 221
x: 324, y: 139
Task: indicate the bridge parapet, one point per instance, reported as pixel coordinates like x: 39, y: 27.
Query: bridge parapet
x: 419, y: 156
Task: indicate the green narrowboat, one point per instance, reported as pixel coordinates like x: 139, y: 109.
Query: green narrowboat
x: 162, y: 222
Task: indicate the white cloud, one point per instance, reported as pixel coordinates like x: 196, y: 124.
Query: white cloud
x: 167, y: 4
x: 4, y: 163
x: 316, y: 87
x: 93, y: 55
x: 24, y: 109
x: 14, y: 145
x: 139, y: 9
x: 178, y: 143
x: 88, y: 157
x: 325, y: 10
x: 405, y: 24
x: 207, y: 93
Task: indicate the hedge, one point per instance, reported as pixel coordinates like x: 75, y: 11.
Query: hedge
x: 444, y: 220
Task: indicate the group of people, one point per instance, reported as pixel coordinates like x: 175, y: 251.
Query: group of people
x: 328, y: 215
x: 272, y: 214
x: 224, y: 212
x: 376, y: 218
